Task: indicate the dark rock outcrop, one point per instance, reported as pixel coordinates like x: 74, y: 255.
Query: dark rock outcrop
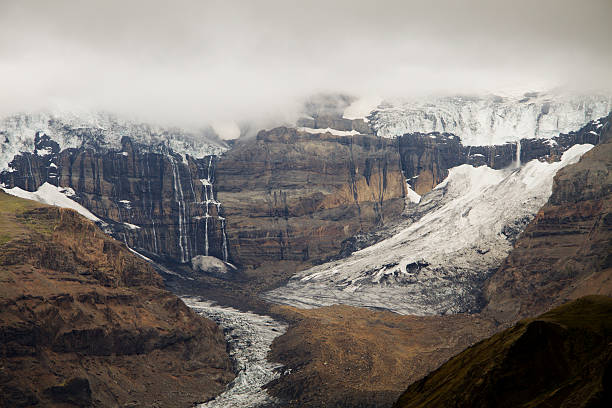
x: 84, y: 322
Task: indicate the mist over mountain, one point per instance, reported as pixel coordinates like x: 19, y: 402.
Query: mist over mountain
x: 191, y: 63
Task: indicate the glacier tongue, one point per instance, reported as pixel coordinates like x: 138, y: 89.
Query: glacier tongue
x: 249, y: 336
x: 491, y: 120
x: 435, y: 265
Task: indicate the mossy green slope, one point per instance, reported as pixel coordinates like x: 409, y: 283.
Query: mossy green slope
x: 562, y: 358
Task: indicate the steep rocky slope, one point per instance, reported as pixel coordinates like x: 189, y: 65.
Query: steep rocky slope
x: 291, y: 195
x: 565, y: 252
x: 562, y: 358
x: 84, y: 322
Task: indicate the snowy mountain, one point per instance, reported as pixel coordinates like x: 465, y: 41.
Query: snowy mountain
x: 451, y: 240
x: 490, y: 120
x: 100, y: 130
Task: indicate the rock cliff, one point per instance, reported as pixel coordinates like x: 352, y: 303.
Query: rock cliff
x: 427, y: 157
x: 291, y: 195
x: 84, y: 322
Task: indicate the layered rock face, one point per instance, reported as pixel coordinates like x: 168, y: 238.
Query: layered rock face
x: 84, y: 322
x: 565, y: 251
x: 291, y: 195
x: 560, y: 359
x: 149, y: 197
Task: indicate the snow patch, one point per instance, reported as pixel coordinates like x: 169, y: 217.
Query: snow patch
x: 52, y: 195
x: 131, y: 226
x: 490, y: 120
x: 75, y: 129
x: 412, y: 196
x: 329, y: 130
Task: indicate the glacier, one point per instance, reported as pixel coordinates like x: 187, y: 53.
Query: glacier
x: 447, y: 245
x: 492, y: 119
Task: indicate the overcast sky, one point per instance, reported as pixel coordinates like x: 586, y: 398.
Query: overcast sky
x: 192, y: 62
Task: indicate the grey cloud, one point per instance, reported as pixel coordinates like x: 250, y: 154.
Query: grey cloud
x: 195, y: 62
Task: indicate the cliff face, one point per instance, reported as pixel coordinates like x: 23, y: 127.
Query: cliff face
x: 84, y: 322
x: 148, y: 196
x: 291, y: 195
x: 565, y: 251
x: 560, y: 359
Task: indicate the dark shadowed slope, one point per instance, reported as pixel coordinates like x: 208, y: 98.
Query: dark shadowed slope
x: 562, y: 358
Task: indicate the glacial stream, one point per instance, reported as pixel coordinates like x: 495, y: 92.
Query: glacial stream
x: 249, y: 336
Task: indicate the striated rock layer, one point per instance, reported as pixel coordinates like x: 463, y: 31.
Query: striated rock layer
x: 291, y: 195
x: 84, y: 322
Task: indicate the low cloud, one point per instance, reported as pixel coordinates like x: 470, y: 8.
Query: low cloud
x: 192, y: 63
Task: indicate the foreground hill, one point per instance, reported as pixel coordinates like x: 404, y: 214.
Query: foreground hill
x: 562, y: 358
x: 84, y: 322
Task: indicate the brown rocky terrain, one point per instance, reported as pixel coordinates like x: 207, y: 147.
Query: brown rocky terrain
x: 343, y: 356
x: 290, y: 199
x: 291, y: 195
x: 566, y: 251
x: 562, y: 358
x: 84, y: 322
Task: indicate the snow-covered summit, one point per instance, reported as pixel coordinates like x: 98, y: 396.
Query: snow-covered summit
x: 492, y: 119
x: 104, y: 130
